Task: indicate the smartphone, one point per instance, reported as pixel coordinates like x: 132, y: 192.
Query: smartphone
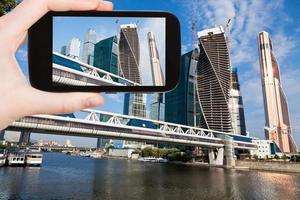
x: 111, y: 51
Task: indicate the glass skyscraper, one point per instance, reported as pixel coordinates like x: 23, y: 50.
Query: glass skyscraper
x: 106, y: 55
x: 181, y: 105
x: 89, y: 46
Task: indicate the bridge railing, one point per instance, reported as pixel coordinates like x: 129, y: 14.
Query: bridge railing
x: 76, y: 70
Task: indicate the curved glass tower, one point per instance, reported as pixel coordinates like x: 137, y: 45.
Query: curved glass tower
x: 213, y: 80
x: 278, y: 127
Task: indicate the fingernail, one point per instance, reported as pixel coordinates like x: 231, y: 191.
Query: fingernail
x: 107, y: 4
x: 94, y: 101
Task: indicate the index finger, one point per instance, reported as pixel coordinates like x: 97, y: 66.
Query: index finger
x: 28, y: 12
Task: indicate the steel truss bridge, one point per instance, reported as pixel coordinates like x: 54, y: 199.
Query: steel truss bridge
x: 74, y: 72
x: 100, y: 124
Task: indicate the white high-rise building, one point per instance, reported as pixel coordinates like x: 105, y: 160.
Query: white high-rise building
x: 157, y: 74
x: 73, y: 48
x: 278, y: 127
x: 89, y: 47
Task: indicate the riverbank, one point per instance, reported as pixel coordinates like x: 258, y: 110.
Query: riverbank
x: 275, y: 166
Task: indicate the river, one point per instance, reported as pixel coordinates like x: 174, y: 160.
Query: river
x: 69, y: 177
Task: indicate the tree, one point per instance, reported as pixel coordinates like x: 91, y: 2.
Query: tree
x: 7, y: 5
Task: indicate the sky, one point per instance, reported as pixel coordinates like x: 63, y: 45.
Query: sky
x: 280, y: 18
x: 66, y: 28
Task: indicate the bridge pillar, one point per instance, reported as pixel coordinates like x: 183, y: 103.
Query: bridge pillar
x: 25, y: 138
x: 229, y: 152
x: 216, y: 156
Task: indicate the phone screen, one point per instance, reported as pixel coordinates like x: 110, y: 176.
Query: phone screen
x: 109, y: 51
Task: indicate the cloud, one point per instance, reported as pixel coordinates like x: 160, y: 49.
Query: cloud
x: 283, y: 45
x: 248, y: 18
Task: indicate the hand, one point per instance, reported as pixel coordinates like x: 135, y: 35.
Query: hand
x: 17, y: 97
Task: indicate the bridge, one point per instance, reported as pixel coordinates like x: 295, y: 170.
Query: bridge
x: 69, y: 71
x: 100, y: 124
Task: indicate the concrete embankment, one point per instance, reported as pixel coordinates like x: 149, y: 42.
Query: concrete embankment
x: 278, y: 166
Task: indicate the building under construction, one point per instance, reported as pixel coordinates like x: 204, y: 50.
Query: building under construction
x: 214, y: 80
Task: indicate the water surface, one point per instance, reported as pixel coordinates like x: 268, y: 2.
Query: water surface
x: 69, y: 177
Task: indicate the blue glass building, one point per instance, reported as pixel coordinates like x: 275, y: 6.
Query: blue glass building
x: 106, y: 55
x: 181, y: 105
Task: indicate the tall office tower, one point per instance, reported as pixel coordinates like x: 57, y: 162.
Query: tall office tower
x: 182, y: 104
x: 157, y: 74
x: 73, y: 48
x: 63, y: 50
x: 278, y: 127
x: 106, y: 55
x: 213, y: 79
x: 236, y: 106
x: 129, y: 52
x: 89, y: 47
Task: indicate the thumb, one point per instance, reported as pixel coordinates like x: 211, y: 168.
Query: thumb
x: 63, y: 103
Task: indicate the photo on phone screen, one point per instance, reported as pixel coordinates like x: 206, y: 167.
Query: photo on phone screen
x: 109, y: 51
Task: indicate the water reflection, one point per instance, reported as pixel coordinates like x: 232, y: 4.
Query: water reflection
x: 67, y: 177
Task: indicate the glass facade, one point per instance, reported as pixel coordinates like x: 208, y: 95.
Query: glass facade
x: 181, y: 105
x: 157, y: 107
x: 106, y: 55
x: 89, y: 47
x: 236, y: 106
x: 135, y: 104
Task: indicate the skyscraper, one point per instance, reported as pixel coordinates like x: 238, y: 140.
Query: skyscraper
x: 89, y: 46
x: 73, y: 48
x: 129, y: 52
x: 106, y: 55
x: 213, y: 79
x: 236, y: 106
x: 157, y: 74
x: 63, y: 50
x: 278, y: 127
x: 182, y: 104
